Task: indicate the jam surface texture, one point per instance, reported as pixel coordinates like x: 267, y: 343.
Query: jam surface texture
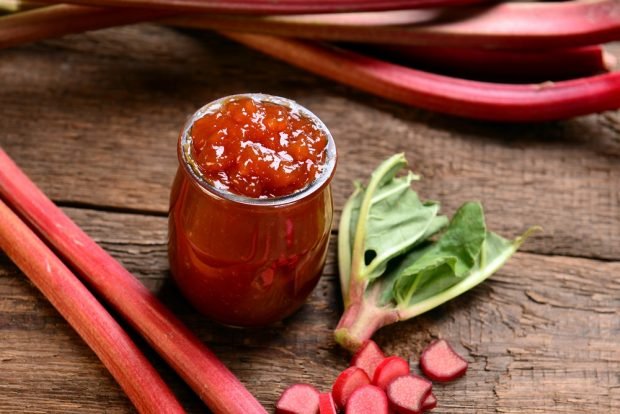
x: 258, y: 149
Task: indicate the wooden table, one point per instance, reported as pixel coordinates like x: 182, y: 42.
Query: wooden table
x: 93, y: 119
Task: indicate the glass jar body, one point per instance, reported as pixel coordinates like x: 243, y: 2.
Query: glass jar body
x: 243, y: 264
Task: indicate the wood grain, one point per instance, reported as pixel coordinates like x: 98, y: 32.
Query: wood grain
x: 109, y: 107
x: 541, y: 336
x: 93, y: 119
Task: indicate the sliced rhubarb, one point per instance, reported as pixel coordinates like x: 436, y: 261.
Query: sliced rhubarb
x: 389, y: 369
x: 86, y: 315
x: 408, y: 393
x: 348, y: 381
x: 191, y: 359
x: 481, y: 100
x: 441, y: 363
x: 367, y: 400
x: 368, y: 357
x: 327, y: 404
x: 509, y: 25
x: 298, y: 399
x: 430, y: 402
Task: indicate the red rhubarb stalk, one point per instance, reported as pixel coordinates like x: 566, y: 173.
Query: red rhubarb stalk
x: 56, y: 21
x: 518, y: 25
x: 270, y: 6
x: 93, y: 323
x: 190, y: 358
x: 500, y: 65
x: 481, y: 100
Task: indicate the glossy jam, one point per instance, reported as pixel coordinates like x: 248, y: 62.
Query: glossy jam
x: 246, y: 261
x: 258, y: 149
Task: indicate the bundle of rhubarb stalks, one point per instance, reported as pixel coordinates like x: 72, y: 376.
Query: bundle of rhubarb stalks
x: 499, y: 61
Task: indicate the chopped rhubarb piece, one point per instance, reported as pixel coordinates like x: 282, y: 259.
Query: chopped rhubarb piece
x: 368, y: 357
x: 347, y: 382
x: 430, y: 402
x: 389, y: 369
x: 298, y: 399
x: 441, y: 363
x: 327, y: 404
x: 367, y: 400
x: 408, y: 393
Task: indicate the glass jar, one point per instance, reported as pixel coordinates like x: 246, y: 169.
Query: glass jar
x: 247, y: 261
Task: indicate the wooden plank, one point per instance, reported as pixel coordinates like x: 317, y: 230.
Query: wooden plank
x: 94, y: 121
x: 541, y: 336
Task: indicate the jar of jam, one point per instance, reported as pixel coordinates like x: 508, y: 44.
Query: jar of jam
x: 251, y: 208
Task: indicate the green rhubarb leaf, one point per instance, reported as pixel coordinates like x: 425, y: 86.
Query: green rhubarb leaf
x: 390, y: 218
x: 435, y: 268
x: 391, y: 266
x: 495, y: 251
x: 397, y: 221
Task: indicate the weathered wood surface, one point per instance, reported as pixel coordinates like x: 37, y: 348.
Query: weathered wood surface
x: 93, y: 119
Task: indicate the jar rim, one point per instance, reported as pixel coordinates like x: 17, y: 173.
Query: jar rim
x: 191, y: 167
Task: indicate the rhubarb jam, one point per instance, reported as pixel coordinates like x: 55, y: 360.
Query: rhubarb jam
x: 258, y: 149
x: 251, y: 208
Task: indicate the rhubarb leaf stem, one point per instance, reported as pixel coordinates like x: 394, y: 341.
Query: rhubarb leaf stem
x: 344, y: 246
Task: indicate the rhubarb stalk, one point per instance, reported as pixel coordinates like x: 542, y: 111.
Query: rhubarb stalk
x: 93, y: 323
x: 270, y: 6
x: 513, y: 25
x: 472, y: 99
x: 499, y: 65
x: 193, y: 361
x: 55, y: 21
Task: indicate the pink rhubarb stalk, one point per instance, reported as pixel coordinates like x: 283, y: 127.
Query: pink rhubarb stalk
x: 93, y: 323
x: 55, y: 21
x: 270, y: 6
x: 472, y: 99
x: 510, y: 25
x: 190, y: 358
x: 501, y: 65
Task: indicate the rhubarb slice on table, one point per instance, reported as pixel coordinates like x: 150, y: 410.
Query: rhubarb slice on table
x: 347, y: 382
x: 389, y: 369
x: 441, y: 363
x: 368, y: 399
x: 408, y: 393
x: 327, y: 404
x: 298, y: 399
x: 368, y: 357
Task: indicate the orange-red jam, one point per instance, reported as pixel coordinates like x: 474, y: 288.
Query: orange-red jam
x: 251, y: 261
x: 258, y: 149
